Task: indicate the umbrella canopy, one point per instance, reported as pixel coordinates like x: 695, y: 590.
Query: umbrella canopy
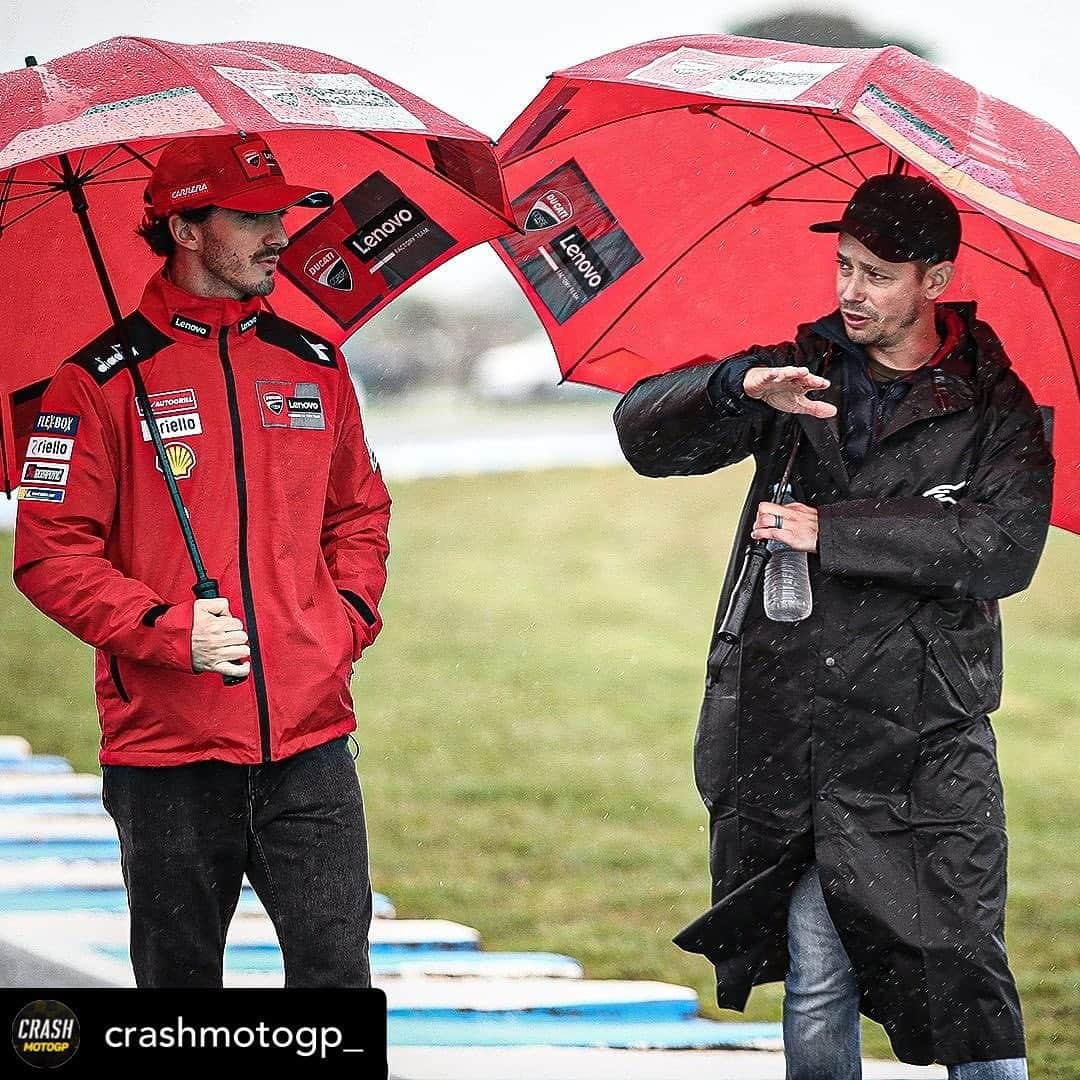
x: 663, y: 195
x: 412, y: 186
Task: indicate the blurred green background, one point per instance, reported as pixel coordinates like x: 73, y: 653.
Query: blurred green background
x: 526, y: 721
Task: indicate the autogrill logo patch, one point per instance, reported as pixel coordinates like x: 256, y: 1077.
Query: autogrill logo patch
x: 190, y: 326
x: 379, y: 233
x: 170, y: 401
x: 328, y: 268
x: 57, y: 423
x: 551, y: 209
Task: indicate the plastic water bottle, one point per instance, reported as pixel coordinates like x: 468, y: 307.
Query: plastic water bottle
x: 787, y: 580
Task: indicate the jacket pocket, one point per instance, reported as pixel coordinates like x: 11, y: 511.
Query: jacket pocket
x: 955, y: 687
x: 114, y: 673
x: 716, y: 740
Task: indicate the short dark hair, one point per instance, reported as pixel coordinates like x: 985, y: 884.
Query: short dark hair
x: 155, y: 231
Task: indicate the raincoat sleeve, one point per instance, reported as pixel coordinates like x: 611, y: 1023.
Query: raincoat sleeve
x: 356, y: 519
x: 983, y: 546
x: 696, y: 419
x: 60, y: 543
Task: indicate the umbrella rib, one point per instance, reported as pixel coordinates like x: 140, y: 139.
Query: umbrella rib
x: 95, y: 173
x: 446, y: 179
x: 50, y: 189
x: 691, y: 105
x: 30, y: 210
x: 115, y: 180
x: 595, y: 127
x: 700, y: 240
x: 995, y: 258
x: 798, y: 157
x: 836, y: 142
x: 1036, y: 279
x: 792, y: 198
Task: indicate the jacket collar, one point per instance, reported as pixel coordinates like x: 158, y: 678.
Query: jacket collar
x: 183, y: 316
x: 948, y: 385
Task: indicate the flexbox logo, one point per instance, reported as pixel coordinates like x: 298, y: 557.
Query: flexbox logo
x: 45, y: 1034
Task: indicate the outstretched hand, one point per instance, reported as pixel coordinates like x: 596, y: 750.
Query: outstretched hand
x: 785, y: 389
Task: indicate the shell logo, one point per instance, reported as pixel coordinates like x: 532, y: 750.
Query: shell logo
x: 181, y: 459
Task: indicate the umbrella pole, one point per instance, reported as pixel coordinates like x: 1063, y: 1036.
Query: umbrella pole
x: 205, y: 587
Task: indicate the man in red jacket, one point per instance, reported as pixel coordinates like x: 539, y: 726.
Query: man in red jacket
x: 206, y: 781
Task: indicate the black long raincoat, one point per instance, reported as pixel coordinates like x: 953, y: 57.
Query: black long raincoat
x: 859, y: 738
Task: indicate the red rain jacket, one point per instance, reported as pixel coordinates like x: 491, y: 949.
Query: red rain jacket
x: 262, y: 428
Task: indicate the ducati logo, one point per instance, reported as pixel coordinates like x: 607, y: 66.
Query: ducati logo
x: 328, y: 268
x: 551, y: 209
x: 274, y: 402
x: 253, y: 158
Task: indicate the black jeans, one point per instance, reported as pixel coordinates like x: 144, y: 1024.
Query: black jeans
x: 189, y: 833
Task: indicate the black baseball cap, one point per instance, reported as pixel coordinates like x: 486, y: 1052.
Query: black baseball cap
x: 900, y: 219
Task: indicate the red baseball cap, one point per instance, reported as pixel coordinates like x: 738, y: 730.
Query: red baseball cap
x: 236, y: 172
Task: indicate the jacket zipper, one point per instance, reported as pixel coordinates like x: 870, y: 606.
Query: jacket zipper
x: 245, y: 570
x: 114, y: 671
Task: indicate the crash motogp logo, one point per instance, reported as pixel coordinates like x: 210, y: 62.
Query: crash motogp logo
x: 326, y: 267
x: 551, y: 209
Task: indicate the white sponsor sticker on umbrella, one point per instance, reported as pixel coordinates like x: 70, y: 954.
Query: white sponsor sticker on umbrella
x: 754, y: 78
x: 334, y: 100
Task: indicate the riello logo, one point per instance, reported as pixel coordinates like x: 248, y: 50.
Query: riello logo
x: 328, y: 268
x: 551, y: 209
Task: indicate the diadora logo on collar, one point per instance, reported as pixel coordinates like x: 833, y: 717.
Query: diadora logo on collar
x: 319, y: 349
x: 190, y: 326
x: 105, y: 364
x: 944, y: 492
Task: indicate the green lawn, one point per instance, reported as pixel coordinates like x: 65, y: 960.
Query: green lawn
x: 526, y: 722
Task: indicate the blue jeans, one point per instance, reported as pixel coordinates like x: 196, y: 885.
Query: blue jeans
x: 189, y: 833
x: 822, y: 1040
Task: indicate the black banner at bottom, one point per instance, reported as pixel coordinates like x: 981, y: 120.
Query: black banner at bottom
x: 307, y: 1032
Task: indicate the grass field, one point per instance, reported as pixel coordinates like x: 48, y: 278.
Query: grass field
x: 526, y: 722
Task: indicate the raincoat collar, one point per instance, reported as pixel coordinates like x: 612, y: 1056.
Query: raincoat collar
x: 954, y: 321
x: 183, y: 316
x: 944, y: 386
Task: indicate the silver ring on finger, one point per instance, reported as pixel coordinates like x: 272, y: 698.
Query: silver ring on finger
x: 778, y: 521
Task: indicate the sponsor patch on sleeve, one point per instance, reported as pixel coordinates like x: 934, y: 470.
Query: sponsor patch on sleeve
x: 41, y: 494
x: 51, y: 447
x: 53, y: 423
x: 45, y: 472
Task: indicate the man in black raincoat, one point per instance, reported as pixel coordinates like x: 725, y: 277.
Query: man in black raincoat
x: 857, y: 829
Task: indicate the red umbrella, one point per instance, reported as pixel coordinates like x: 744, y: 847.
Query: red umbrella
x: 663, y: 194
x: 412, y: 186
